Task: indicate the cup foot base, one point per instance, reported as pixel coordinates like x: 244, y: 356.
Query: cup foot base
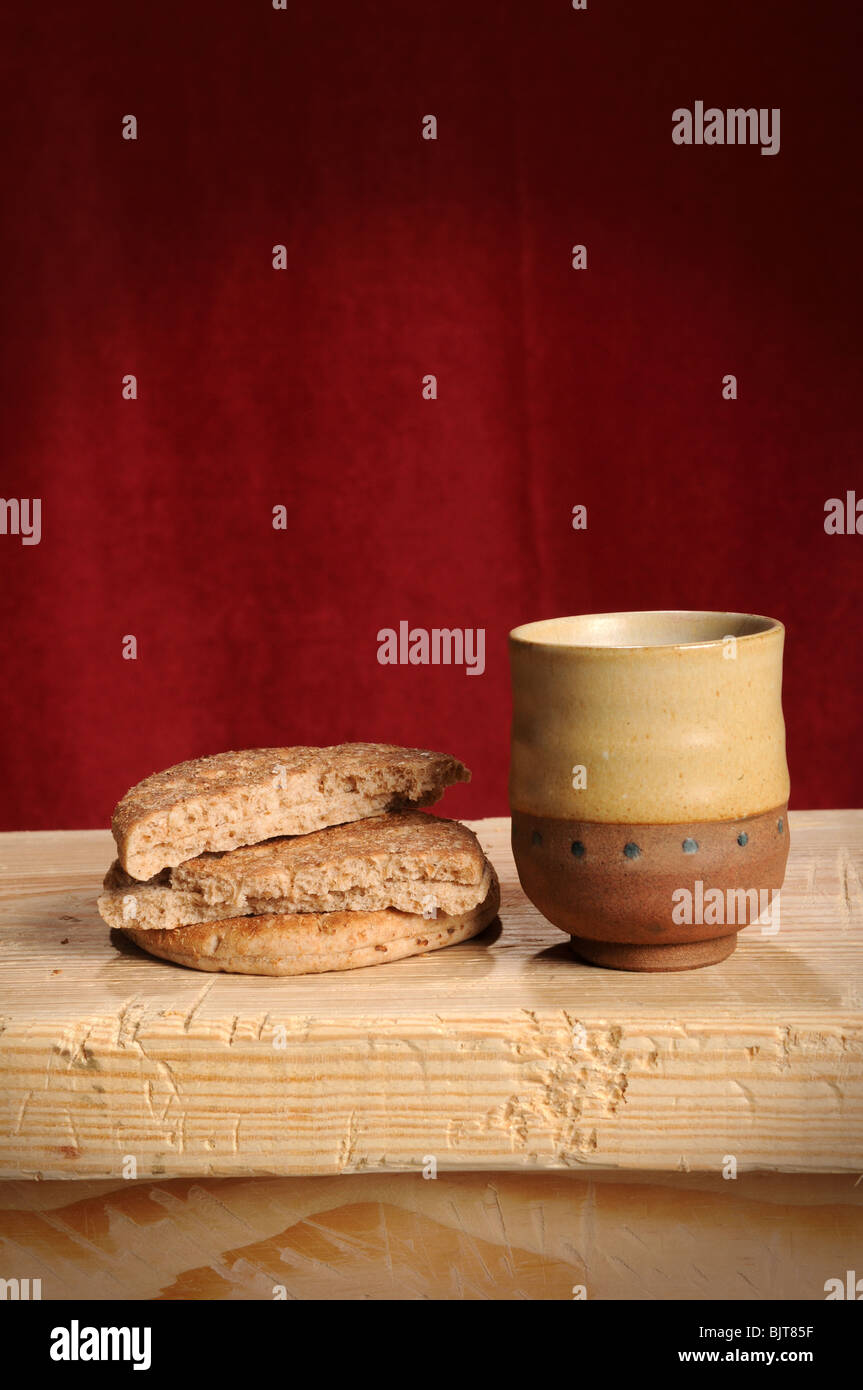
x: 689, y: 955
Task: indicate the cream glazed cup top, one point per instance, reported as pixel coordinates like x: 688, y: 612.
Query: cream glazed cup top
x: 675, y: 716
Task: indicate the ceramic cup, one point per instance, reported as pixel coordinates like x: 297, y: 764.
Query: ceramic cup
x: 648, y: 781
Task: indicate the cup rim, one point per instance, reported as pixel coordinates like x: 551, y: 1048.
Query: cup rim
x: 528, y: 634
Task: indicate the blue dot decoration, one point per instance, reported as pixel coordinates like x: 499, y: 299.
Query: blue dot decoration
x: 743, y: 838
x: 690, y: 846
x: 536, y: 838
x: 780, y: 825
x: 631, y: 850
x: 578, y: 850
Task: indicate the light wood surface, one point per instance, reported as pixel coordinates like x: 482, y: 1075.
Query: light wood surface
x: 500, y: 1053
x: 465, y: 1236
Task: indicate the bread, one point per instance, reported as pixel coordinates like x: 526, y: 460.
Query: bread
x: 310, y: 943
x: 407, y: 860
x: 241, y: 798
x: 153, y: 905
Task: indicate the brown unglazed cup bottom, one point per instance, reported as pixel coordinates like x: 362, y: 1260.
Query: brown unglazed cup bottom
x: 613, y: 887
x: 615, y: 955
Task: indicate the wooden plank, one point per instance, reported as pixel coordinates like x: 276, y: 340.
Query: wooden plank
x: 504, y: 1052
x: 464, y: 1236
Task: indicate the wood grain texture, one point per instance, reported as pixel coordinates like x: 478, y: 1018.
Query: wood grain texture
x: 501, y: 1053
x: 467, y: 1236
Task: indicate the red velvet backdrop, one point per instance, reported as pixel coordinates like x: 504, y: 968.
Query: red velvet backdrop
x: 302, y: 387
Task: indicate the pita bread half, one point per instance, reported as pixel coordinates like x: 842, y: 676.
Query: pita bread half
x: 311, y: 943
x: 407, y: 860
x: 241, y: 798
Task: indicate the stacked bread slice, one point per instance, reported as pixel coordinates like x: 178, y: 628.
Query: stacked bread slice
x: 289, y: 861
